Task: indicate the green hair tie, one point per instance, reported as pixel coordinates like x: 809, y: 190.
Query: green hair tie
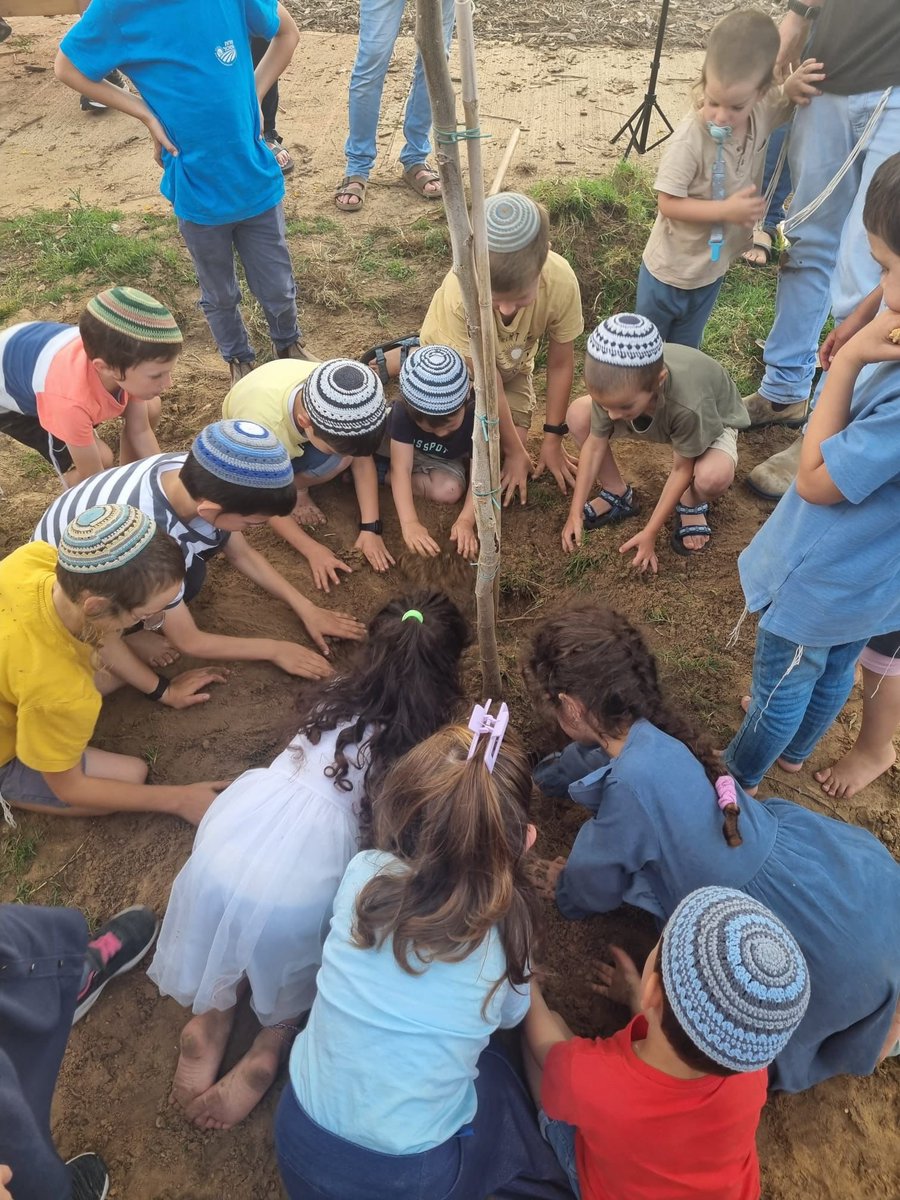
x: 415, y: 614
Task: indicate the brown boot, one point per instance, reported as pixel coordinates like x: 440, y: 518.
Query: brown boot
x: 763, y: 412
x: 772, y: 478
x: 296, y: 350
x: 239, y: 368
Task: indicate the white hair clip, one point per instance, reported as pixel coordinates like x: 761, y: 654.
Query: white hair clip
x: 483, y: 724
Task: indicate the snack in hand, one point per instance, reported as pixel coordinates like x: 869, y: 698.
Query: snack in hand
x: 894, y: 335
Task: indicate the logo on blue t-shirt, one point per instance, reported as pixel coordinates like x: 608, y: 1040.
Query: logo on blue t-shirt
x: 226, y: 54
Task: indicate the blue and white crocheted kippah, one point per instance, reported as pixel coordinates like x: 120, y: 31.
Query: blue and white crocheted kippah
x: 735, y: 977
x: 243, y: 453
x: 435, y: 381
x: 626, y: 340
x: 103, y: 538
x: 513, y: 222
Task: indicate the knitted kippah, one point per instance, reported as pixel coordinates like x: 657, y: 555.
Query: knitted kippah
x: 512, y: 220
x: 243, y: 453
x: 434, y: 380
x: 103, y: 538
x: 344, y: 398
x: 626, y: 340
x: 136, y: 314
x: 735, y: 977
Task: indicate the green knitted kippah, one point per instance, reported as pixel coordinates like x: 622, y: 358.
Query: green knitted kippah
x: 135, y: 314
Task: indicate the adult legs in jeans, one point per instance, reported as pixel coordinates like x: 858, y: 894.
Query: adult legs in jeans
x: 796, y: 693
x: 379, y: 24
x: 261, y: 243
x: 828, y: 266
x: 211, y: 249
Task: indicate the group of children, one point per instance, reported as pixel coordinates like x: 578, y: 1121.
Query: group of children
x: 370, y: 892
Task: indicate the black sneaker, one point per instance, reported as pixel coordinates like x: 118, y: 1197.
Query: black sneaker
x: 90, y: 1178
x: 117, y: 79
x: 118, y: 946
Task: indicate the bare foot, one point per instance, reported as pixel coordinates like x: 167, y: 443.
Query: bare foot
x: 620, y: 982
x: 856, y: 770
x: 203, y: 1042
x: 238, y: 1093
x: 306, y: 512
x: 152, y: 648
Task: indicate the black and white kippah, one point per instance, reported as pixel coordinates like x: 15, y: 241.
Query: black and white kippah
x: 434, y: 381
x: 513, y: 222
x: 344, y: 398
x: 626, y: 340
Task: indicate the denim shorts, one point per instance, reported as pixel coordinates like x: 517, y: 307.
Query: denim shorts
x: 23, y: 785
x: 316, y: 463
x: 561, y: 1137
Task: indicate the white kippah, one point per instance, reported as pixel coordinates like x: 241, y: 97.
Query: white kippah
x: 513, y: 222
x: 344, y: 398
x: 626, y: 340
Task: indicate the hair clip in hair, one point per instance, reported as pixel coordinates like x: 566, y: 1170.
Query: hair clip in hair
x: 413, y: 614
x: 483, y: 724
x: 726, y: 794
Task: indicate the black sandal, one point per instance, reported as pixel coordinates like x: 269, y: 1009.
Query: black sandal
x: 374, y: 357
x: 680, y: 532
x: 620, y: 509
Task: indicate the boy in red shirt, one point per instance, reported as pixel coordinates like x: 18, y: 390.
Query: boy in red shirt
x: 667, y: 1109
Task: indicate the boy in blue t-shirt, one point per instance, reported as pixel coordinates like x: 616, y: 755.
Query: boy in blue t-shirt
x: 199, y: 98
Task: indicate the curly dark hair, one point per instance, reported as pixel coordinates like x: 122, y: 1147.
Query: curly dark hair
x: 597, y: 656
x: 402, y: 685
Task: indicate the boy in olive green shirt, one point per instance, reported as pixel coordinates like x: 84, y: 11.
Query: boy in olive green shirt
x: 672, y: 395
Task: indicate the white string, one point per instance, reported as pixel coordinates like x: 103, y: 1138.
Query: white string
x: 7, y: 813
x: 795, y: 662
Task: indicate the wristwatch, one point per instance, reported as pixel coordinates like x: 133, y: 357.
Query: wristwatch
x: 808, y: 12
x: 371, y: 527
x: 559, y: 430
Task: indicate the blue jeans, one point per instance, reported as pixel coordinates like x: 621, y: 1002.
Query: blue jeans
x: 262, y: 247
x: 795, y: 695
x: 379, y: 24
x: 561, y: 1136
x: 775, y: 211
x: 828, y: 267
x: 680, y: 314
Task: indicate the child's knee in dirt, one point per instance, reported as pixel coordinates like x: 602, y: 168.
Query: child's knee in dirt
x: 714, y: 477
x: 444, y: 488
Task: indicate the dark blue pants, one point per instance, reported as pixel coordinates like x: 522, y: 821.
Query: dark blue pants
x: 680, y: 314
x: 502, y: 1153
x: 41, y: 963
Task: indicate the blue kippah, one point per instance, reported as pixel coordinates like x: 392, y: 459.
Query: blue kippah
x: 243, y: 453
x: 103, y: 538
x: 513, y: 222
x: 435, y: 381
x: 734, y: 976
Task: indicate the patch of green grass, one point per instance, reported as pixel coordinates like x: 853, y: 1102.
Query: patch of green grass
x: 317, y: 225
x: 398, y: 270
x: 33, y: 465
x: 582, y: 567
x: 17, y: 853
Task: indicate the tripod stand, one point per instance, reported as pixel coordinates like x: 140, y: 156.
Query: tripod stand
x: 638, y: 124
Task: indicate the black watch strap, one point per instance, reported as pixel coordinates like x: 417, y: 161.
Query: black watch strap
x: 159, y: 691
x: 806, y: 11
x: 559, y: 430
x: 371, y: 527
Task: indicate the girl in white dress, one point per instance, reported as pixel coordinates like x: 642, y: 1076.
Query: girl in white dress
x: 249, y: 910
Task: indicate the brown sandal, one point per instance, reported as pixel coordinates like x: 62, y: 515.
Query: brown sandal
x: 350, y: 185
x: 420, y: 176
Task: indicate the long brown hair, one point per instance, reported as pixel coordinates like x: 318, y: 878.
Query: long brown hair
x: 597, y: 656
x: 461, y: 832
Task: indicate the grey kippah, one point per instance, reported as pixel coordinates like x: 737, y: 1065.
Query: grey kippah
x: 243, y: 453
x: 513, y: 222
x: 434, y: 380
x: 344, y: 398
x: 626, y: 340
x: 734, y: 976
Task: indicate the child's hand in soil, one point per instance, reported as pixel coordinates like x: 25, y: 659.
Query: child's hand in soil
x: 544, y: 874
x: 297, y: 660
x: 645, y: 545
x: 463, y: 533
x: 186, y: 689
x: 873, y: 343
x: 321, y: 624
x: 419, y: 540
x: 619, y: 981
x: 324, y: 567
x: 197, y: 799
x: 571, y: 534
x: 375, y: 551
x: 517, y: 469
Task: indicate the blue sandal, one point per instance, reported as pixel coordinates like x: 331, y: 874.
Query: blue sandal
x: 620, y: 509
x: 375, y: 359
x: 680, y: 532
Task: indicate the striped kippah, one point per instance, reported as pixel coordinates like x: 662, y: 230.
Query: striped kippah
x: 513, y: 222
x: 243, y: 453
x: 344, y: 398
x: 435, y: 381
x: 734, y: 976
x: 103, y: 538
x: 135, y: 314
x: 626, y: 340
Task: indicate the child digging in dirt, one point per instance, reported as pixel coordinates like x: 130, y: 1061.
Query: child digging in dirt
x: 328, y: 416
x: 709, y: 177
x: 58, y: 382
x: 667, y: 394
x: 668, y: 820
x: 249, y: 911
x: 235, y: 476
x: 431, y: 444
x: 57, y: 608
x: 669, y: 1107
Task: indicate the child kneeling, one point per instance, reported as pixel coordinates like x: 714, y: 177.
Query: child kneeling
x: 669, y: 1106
x: 672, y: 395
